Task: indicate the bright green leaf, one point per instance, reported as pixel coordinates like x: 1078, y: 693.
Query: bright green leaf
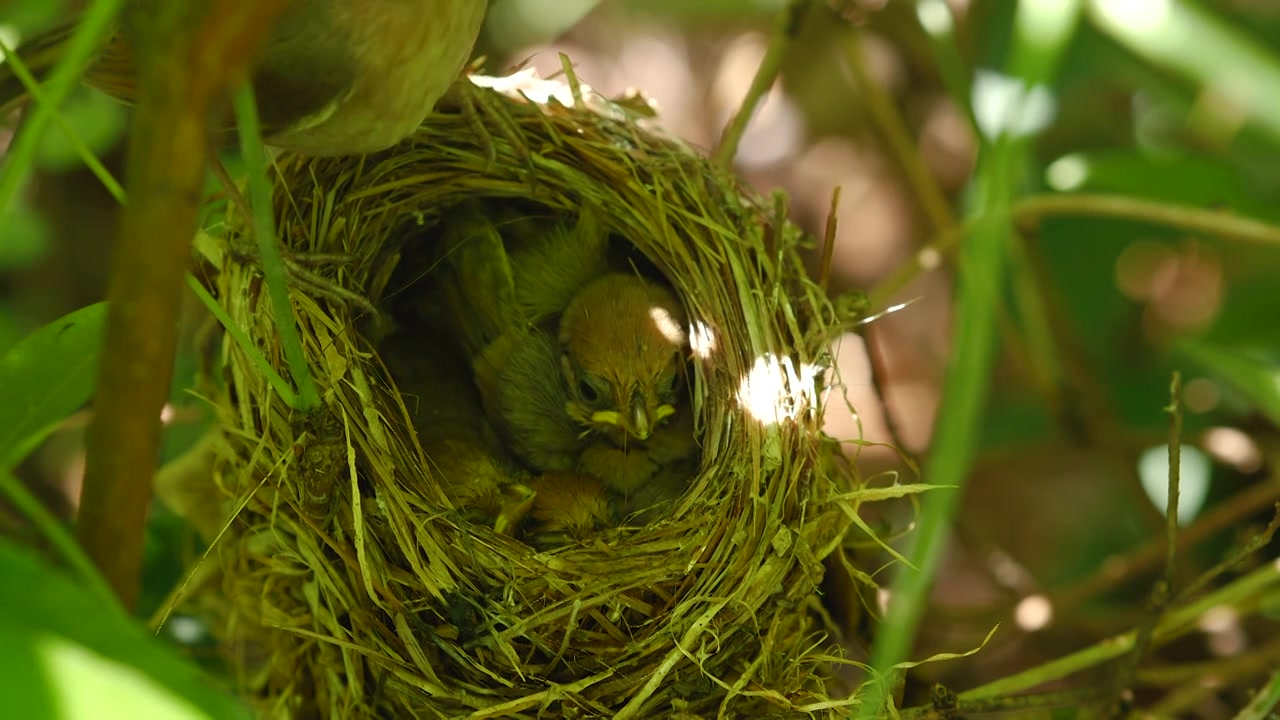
x: 46, y: 377
x: 97, y: 121
x: 23, y: 237
x: 68, y: 656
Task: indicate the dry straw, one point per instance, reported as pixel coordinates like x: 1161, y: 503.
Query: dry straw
x: 351, y: 587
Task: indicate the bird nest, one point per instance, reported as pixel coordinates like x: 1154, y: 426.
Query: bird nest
x: 356, y: 584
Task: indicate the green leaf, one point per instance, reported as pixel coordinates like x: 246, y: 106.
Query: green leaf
x: 1254, y: 378
x: 46, y: 377
x: 23, y: 238
x: 28, y: 18
x: 97, y: 123
x: 66, y: 655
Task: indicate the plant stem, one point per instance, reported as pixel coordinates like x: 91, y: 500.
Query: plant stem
x: 187, y: 60
x: 788, y: 25
x: 1227, y: 225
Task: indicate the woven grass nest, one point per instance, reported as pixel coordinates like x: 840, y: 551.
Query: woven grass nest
x: 353, y: 587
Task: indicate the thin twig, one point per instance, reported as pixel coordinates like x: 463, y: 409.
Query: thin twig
x: 1227, y: 225
x: 1264, y: 701
x: 1118, y: 570
x: 1175, y: 477
x: 829, y: 240
x: 893, y: 128
x: 1244, y: 664
x: 784, y: 31
x: 1011, y: 703
x: 926, y: 258
x: 1241, y: 594
x: 1258, y: 542
x: 187, y: 60
x: 1162, y: 591
x: 1033, y: 210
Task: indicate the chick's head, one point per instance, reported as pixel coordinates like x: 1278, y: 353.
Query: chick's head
x: 623, y: 339
x: 568, y: 504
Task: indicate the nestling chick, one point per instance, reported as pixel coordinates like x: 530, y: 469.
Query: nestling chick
x: 552, y: 261
x: 568, y: 507
x: 622, y: 337
x: 632, y: 469
x: 436, y: 387
x: 485, y: 488
x: 598, y: 394
x: 654, y: 498
x: 472, y: 295
x: 527, y: 398
x: 495, y: 293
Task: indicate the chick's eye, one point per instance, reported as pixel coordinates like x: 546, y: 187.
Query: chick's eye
x: 587, y: 392
x: 667, y: 386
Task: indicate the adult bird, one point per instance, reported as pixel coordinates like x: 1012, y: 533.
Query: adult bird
x: 335, y: 77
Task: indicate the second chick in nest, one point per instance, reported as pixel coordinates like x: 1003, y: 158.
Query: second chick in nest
x: 487, y: 490
x: 568, y: 507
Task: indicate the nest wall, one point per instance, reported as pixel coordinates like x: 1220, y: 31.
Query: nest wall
x: 351, y: 587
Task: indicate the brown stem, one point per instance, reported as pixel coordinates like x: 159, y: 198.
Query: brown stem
x: 1148, y: 557
x: 784, y: 31
x: 897, y: 136
x: 187, y: 61
x: 1225, y: 224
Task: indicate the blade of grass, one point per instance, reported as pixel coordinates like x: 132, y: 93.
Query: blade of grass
x: 1264, y: 701
x: 228, y: 324
x: 1242, y: 594
x: 308, y: 397
x: 89, y: 35
x: 785, y: 30
x: 1225, y: 224
x: 1042, y: 32
x: 38, y: 95
x: 114, y: 187
x: 59, y: 537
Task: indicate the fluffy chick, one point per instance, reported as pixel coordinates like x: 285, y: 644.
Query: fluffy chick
x: 472, y: 293
x: 631, y: 469
x: 623, y: 340
x: 568, y: 507
x: 436, y: 387
x: 502, y: 277
x: 552, y: 260
x: 485, y: 488
x: 526, y: 395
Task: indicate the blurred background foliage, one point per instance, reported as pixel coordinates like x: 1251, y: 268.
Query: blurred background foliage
x: 1067, y: 487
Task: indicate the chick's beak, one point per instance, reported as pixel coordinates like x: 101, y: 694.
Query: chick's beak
x: 641, y: 423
